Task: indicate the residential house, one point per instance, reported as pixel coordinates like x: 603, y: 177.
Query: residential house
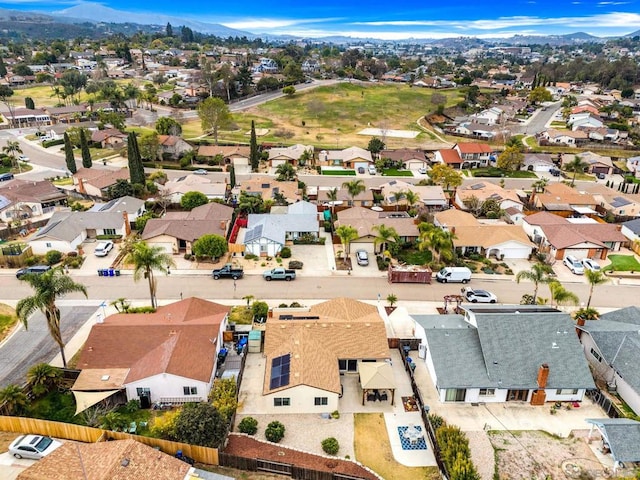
x: 176, y: 232
x: 267, y: 234
x: 602, y: 134
x: 66, y: 230
x: 173, y: 146
x: 474, y: 154
x: 349, y: 158
x: 363, y: 199
x: 490, y: 116
x: 409, y: 158
x: 584, y: 119
x: 564, y: 137
x: 307, y: 353
x: 612, y: 347
x: 564, y: 200
x: 492, y: 239
x: 596, y: 163
x: 56, y: 132
x: 633, y: 165
x: 537, y: 162
x: 483, y: 191
x: 364, y: 221
x: 291, y: 155
x: 109, y: 138
x: 449, y: 157
x: 581, y: 237
x: 24, y: 117
x: 176, y: 188
x: 169, y: 355
x: 479, y: 130
x: 268, y: 188
x: 67, y: 114
x: 96, y: 182
x: 431, y: 198
x: 502, y: 354
x: 610, y: 201
x: 233, y: 155
x: 266, y: 65
x: 133, y: 207
x: 121, y: 459
x: 29, y: 200
x: 631, y: 230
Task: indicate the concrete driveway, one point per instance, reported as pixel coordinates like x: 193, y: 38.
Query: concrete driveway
x: 91, y: 263
x: 11, y: 467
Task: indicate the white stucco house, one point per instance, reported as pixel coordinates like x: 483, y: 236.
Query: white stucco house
x: 166, y: 356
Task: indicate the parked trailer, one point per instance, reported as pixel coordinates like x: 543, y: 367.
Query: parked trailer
x: 408, y: 274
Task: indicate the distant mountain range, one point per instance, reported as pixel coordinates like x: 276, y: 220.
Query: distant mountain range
x: 94, y: 19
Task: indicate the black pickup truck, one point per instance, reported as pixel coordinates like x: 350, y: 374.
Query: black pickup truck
x: 228, y: 271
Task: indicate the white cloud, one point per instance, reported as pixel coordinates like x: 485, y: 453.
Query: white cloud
x: 266, y: 24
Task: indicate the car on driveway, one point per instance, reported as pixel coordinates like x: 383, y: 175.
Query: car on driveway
x: 362, y: 257
x: 422, y: 170
x: 103, y: 248
x: 200, y: 171
x: 590, y: 265
x: 479, y: 296
x: 574, y: 265
x: 23, y: 158
x: 33, y: 446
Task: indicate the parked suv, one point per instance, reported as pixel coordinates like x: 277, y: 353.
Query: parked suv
x: 362, y: 257
x: 36, y: 269
x: 103, y: 248
x: 574, y: 265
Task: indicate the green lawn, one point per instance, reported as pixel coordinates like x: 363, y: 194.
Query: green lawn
x: 497, y: 173
x: 623, y: 263
x: 412, y: 256
x: 394, y: 172
x: 349, y: 173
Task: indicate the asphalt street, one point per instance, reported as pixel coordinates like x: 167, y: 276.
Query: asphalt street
x: 25, y: 348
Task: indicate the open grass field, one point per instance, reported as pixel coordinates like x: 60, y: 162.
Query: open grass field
x: 373, y: 450
x: 42, y: 95
x: 332, y: 116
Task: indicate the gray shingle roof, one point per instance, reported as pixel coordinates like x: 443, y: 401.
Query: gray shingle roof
x: 633, y: 225
x: 67, y: 226
x: 622, y: 435
x: 275, y: 227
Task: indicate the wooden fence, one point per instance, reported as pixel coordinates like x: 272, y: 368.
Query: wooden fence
x: 260, y: 465
x: 81, y: 433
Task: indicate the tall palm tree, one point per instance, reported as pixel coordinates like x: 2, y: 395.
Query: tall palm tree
x: 595, y: 278
x: 355, y: 188
x: 145, y: 259
x: 346, y: 234
x: 13, y: 399
x: 332, y: 195
x: 12, y: 148
x: 576, y: 165
x: 412, y: 198
x: 540, y: 184
x: 538, y: 274
x: 559, y: 294
x: 386, y: 235
x: 438, y: 241
x: 48, y: 287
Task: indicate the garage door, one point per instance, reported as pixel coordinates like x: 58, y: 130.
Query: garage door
x: 579, y: 253
x: 368, y: 246
x: 358, y: 165
x: 515, y: 252
x: 166, y: 247
x: 277, y: 163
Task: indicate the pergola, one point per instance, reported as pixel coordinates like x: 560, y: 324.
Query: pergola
x: 376, y: 376
x: 620, y: 437
x: 450, y: 299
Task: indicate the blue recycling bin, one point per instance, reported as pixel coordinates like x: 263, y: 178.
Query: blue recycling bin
x: 112, y: 272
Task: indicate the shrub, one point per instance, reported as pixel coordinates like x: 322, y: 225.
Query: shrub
x: 260, y: 309
x: 285, y: 252
x: 165, y: 426
x: 295, y: 265
x: 132, y: 406
x: 335, y: 414
x: 330, y: 445
x: 251, y: 256
x: 295, y: 305
x: 141, y: 310
x: 283, y: 305
x: 274, y: 432
x: 52, y: 257
x: 248, y: 425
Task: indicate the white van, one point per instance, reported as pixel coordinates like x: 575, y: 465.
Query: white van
x: 454, y: 274
x: 372, y: 170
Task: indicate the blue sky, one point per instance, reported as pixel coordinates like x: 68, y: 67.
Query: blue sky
x: 385, y: 19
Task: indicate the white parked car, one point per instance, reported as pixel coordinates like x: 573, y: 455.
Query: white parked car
x: 33, y: 446
x: 103, y: 248
x: 422, y: 170
x: 574, y: 265
x: 590, y: 265
x: 479, y: 296
x: 200, y: 171
x: 23, y: 158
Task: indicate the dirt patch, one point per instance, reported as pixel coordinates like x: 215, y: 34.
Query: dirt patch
x: 535, y: 454
x: 8, y: 320
x: 241, y: 445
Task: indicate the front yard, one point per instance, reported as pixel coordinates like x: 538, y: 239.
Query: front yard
x: 494, y: 172
x: 623, y: 263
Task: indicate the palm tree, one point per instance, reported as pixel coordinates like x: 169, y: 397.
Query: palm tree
x: 559, y: 294
x: 540, y: 184
x: 576, y: 165
x: 12, y: 148
x: 42, y: 377
x: 346, y: 234
x: 595, y: 278
x: 438, y: 241
x: 355, y: 188
x: 391, y: 299
x: 538, y: 274
x: 145, y: 259
x: 332, y: 195
x: 248, y: 298
x: 48, y: 287
x: 586, y: 313
x: 13, y: 399
x: 412, y: 198
x: 286, y: 172
x: 386, y: 235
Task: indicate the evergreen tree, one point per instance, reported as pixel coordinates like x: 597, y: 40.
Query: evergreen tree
x: 232, y: 176
x: 29, y: 103
x: 3, y: 68
x: 84, y: 147
x: 68, y: 154
x: 136, y: 169
x: 254, y: 156
x: 169, y: 30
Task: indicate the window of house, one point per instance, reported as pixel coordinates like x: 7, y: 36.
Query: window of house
x: 566, y: 391
x: 190, y: 390
x: 455, y: 395
x: 596, y: 355
x: 109, y: 231
x: 48, y: 244
x: 348, y: 365
x: 320, y: 401
x: 487, y: 392
x: 281, y: 402
x: 143, y: 391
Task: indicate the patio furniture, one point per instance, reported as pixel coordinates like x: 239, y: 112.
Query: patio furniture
x: 371, y: 397
x: 383, y: 397
x: 412, y: 434
x: 133, y: 428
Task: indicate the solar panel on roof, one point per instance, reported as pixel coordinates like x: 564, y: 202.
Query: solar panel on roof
x: 280, y: 369
x: 4, y: 201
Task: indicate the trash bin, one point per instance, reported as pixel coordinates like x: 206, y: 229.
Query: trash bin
x: 111, y: 272
x: 100, y: 272
x: 117, y: 273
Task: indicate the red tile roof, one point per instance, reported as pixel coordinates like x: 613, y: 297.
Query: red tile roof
x: 474, y: 148
x: 450, y: 156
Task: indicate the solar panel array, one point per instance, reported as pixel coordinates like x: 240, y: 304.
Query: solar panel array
x: 280, y: 368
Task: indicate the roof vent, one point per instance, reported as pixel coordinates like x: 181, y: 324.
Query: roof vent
x: 125, y: 462
x: 104, y: 378
x: 554, y: 345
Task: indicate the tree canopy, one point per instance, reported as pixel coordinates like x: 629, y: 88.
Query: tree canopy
x: 214, y: 115
x: 193, y: 199
x: 200, y: 424
x: 213, y: 246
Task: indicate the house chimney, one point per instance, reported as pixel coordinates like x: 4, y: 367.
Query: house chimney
x: 543, y: 375
x: 81, y: 188
x: 127, y: 224
x: 580, y: 321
